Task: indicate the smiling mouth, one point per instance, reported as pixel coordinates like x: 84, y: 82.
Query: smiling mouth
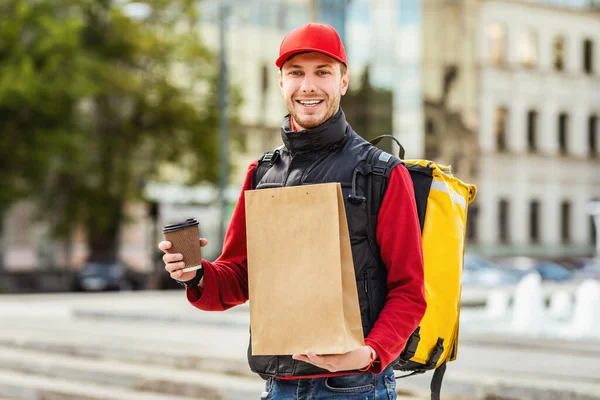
x: 309, y: 103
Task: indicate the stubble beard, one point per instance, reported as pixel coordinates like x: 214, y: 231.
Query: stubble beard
x: 311, y: 122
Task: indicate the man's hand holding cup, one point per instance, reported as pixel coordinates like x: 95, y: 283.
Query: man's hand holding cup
x: 182, y: 249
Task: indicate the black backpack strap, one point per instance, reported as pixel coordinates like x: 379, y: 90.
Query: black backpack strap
x: 376, y: 171
x: 410, y: 349
x: 266, y: 161
x: 436, y: 381
x: 379, y: 166
x: 400, y: 147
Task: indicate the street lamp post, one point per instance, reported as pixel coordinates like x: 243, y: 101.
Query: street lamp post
x: 223, y: 119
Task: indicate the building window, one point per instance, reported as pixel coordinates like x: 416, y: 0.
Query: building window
x: 456, y: 161
x: 559, y: 53
x: 430, y: 127
x: 282, y: 13
x: 593, y: 136
x: 527, y: 47
x: 503, y: 224
x: 593, y: 231
x: 472, y: 218
x: 500, y: 125
x: 532, y: 131
x: 534, y: 221
x: 265, y: 72
x: 588, y: 56
x: 563, y: 125
x: 333, y: 12
x: 497, y: 43
x: 565, y: 221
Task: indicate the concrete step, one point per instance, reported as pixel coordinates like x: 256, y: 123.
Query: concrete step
x: 124, y: 376
x: 78, y: 340
x: 196, y: 347
x: 169, y: 333
x: 137, y: 378
x: 28, y: 374
x: 16, y: 385
x: 137, y: 355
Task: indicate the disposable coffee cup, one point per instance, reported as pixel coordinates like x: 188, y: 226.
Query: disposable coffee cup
x: 185, y: 239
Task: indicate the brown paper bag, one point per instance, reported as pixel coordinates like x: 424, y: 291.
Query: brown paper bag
x: 302, y: 288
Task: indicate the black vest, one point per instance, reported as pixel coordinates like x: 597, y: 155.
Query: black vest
x: 329, y: 153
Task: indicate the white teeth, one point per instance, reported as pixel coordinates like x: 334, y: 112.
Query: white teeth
x: 309, y: 103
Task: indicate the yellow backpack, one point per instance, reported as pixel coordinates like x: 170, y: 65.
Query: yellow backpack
x: 442, y: 204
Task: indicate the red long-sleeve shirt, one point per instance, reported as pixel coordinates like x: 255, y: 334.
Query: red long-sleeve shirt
x: 398, y: 235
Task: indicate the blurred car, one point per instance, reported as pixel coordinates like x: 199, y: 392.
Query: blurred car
x: 479, y: 271
x: 548, y: 269
x: 101, y: 276
x: 589, y: 269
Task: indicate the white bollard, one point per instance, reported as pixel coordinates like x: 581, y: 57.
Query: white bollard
x: 561, y: 305
x: 496, y: 306
x: 586, y: 318
x: 528, y: 315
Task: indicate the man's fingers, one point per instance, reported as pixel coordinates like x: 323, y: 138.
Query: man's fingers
x: 174, y: 263
x: 327, y: 362
x: 169, y: 258
x: 314, y: 359
x: 173, y: 267
x: 177, y: 274
x: 164, y: 245
x: 302, y: 357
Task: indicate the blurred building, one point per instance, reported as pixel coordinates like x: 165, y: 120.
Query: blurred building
x: 383, y: 45
x: 512, y: 94
x: 383, y: 42
x: 505, y: 91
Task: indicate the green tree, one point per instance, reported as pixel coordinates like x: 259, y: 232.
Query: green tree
x: 93, y: 102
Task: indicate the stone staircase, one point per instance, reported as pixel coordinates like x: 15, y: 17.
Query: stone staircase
x: 51, y: 352
x: 156, y: 346
x: 32, y: 373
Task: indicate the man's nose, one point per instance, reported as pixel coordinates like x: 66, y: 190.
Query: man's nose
x: 307, y: 84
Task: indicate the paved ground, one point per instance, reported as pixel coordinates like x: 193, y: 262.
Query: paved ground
x: 128, y: 345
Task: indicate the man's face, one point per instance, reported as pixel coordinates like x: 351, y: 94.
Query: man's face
x: 312, y: 85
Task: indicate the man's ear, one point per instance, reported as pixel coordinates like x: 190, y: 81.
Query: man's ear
x: 345, y: 82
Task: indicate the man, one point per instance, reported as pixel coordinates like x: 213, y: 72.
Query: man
x: 320, y: 146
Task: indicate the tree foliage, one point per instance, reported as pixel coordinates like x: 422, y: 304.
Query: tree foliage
x: 93, y: 102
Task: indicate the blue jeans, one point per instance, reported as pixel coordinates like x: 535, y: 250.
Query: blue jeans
x: 363, y: 386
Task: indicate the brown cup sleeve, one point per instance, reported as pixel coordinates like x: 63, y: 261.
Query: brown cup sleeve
x: 187, y: 242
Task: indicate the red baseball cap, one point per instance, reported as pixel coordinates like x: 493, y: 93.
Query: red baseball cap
x: 312, y: 37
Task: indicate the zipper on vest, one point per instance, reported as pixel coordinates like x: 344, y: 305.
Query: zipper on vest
x: 366, y: 285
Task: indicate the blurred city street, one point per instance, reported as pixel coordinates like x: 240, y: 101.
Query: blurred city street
x: 121, y: 117
x: 154, y: 345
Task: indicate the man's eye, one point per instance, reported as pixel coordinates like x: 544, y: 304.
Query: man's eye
x: 295, y: 72
x: 323, y: 72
